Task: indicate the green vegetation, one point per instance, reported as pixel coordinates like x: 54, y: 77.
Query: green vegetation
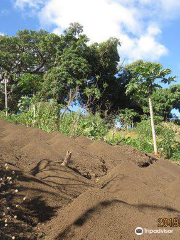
x: 141, y: 139
x: 43, y: 75
x: 142, y: 83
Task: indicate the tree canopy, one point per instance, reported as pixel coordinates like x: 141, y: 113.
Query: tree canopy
x: 69, y: 68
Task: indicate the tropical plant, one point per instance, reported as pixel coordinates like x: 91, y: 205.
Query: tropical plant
x: 143, y: 82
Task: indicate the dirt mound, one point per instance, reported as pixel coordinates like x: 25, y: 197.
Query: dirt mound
x: 105, y: 193
x: 114, y: 155
x: 124, y: 200
x: 83, y: 141
x: 97, y: 214
x: 44, y: 198
x: 173, y: 189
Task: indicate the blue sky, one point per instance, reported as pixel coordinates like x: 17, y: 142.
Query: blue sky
x: 147, y: 29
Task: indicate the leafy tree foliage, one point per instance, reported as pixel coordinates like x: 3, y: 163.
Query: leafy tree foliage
x: 145, y: 76
x: 68, y: 68
x: 37, y: 51
x: 143, y: 82
x: 63, y: 81
x: 175, y: 90
x: 127, y: 117
x: 30, y: 52
x: 165, y: 100
x: 103, y: 59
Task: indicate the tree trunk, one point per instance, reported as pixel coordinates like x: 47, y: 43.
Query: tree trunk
x: 5, y: 90
x: 34, y: 106
x: 71, y: 99
x: 152, y: 125
x: 34, y: 110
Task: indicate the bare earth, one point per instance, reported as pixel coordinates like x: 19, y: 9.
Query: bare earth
x: 104, y: 194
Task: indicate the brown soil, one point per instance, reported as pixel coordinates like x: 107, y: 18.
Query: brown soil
x: 105, y: 193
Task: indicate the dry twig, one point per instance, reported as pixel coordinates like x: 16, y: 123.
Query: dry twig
x: 67, y: 159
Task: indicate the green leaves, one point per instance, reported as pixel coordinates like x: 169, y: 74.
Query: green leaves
x: 37, y: 50
x: 65, y: 78
x: 50, y: 66
x: 24, y: 103
x: 144, y: 75
x: 26, y: 58
x: 9, y: 53
x: 30, y: 82
x: 127, y: 117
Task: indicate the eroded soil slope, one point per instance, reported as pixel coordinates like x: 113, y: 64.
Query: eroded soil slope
x: 105, y: 193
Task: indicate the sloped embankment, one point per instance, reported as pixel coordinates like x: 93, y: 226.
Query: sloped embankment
x: 106, y: 192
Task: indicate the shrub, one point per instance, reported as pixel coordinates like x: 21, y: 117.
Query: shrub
x: 93, y: 127
x: 167, y: 144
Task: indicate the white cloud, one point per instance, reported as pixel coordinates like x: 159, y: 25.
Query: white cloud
x: 171, y: 5
x: 100, y: 19
x: 144, y: 47
x: 137, y: 23
x: 2, y: 34
x: 28, y: 3
x: 153, y: 30
x: 164, y: 9
x: 57, y: 31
